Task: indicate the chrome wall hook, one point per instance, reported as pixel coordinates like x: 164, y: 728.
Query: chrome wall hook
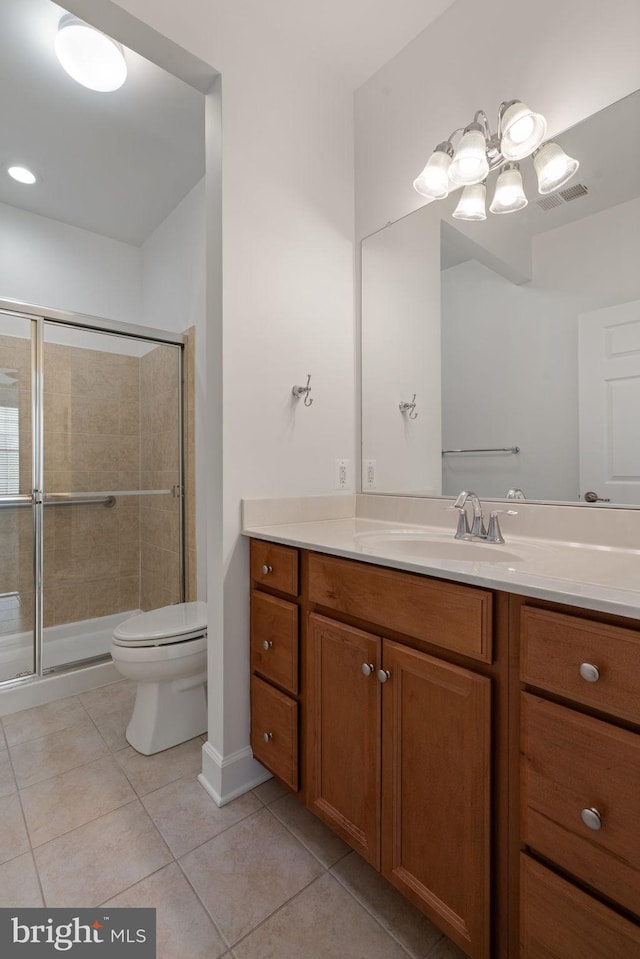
x: 409, y: 408
x: 299, y: 391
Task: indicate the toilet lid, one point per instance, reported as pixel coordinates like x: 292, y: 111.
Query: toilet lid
x: 166, y: 625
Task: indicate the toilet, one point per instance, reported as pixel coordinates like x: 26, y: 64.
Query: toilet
x: 165, y: 652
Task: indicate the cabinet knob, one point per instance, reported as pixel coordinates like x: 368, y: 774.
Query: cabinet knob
x: 266, y: 570
x: 591, y: 818
x: 266, y: 644
x: 384, y: 675
x: 589, y: 672
x: 367, y: 669
x: 267, y: 737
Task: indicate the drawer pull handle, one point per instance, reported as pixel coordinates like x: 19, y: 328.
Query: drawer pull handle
x: 266, y: 570
x: 589, y: 672
x: 267, y: 737
x: 267, y: 644
x: 384, y: 675
x: 367, y: 669
x: 591, y: 818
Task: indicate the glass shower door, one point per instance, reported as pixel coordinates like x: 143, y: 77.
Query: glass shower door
x: 112, y: 455
x: 17, y: 515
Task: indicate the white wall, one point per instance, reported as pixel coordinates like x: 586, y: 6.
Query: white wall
x: 567, y: 59
x: 52, y: 264
x: 288, y: 292
x: 401, y: 356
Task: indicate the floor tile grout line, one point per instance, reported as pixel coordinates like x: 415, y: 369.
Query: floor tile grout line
x: 200, y: 900
x: 304, y: 844
x: 373, y: 915
x: 28, y: 834
x: 277, y: 910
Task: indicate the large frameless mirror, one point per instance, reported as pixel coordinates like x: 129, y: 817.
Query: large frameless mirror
x: 512, y: 344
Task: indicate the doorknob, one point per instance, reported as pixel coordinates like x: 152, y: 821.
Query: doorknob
x: 592, y: 497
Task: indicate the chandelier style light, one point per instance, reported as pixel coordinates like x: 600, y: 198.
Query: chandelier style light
x: 478, y: 152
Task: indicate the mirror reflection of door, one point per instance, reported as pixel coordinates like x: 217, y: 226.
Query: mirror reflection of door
x: 610, y: 402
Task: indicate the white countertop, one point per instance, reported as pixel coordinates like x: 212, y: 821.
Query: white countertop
x: 604, y: 578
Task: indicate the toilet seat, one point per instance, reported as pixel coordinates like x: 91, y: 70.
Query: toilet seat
x: 159, y: 627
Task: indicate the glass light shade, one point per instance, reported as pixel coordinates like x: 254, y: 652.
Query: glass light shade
x: 433, y: 182
x: 553, y: 167
x: 472, y: 203
x: 509, y: 195
x: 21, y: 174
x: 522, y: 131
x: 89, y: 56
x: 469, y: 164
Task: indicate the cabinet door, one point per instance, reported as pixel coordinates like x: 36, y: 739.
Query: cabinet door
x: 344, y: 729
x: 436, y: 792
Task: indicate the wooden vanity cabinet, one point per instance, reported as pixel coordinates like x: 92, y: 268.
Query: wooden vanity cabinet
x: 399, y: 742
x: 580, y: 786
x: 274, y: 645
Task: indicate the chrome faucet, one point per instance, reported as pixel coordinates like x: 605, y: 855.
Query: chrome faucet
x: 477, y: 528
x: 477, y: 531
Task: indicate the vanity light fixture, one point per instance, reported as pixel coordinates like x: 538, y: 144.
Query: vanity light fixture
x: 89, y: 56
x: 478, y: 152
x: 21, y: 174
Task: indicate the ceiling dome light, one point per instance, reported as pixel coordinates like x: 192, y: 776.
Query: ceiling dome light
x: 470, y: 164
x: 553, y: 167
x: 509, y: 195
x: 21, y: 174
x: 89, y: 56
x: 522, y: 131
x: 433, y: 182
x: 472, y: 204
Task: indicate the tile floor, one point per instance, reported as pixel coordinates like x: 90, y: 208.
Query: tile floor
x: 85, y: 821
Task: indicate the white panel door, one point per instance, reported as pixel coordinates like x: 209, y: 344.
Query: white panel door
x: 609, y: 378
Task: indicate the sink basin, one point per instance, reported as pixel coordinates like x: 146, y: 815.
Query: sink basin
x: 425, y: 545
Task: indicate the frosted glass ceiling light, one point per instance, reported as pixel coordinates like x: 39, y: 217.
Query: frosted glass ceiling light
x: 433, y: 182
x: 21, y: 174
x: 472, y: 204
x: 553, y: 167
x: 521, y: 130
x: 470, y: 164
x: 89, y: 56
x: 509, y: 195
x: 472, y: 152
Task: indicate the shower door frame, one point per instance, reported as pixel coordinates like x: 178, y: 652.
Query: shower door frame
x: 38, y: 499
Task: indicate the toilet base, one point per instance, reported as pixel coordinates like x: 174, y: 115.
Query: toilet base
x: 168, y: 713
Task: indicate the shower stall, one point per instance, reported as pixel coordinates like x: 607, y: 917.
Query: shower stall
x: 91, y: 485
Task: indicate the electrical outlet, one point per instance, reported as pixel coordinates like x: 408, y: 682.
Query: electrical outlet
x: 342, y: 474
x: 369, y: 478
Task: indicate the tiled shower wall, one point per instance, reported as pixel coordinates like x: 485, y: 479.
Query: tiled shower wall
x: 111, y: 422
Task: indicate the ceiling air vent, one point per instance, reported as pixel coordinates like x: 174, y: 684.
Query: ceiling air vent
x: 574, y: 192
x: 550, y: 202
x: 553, y: 200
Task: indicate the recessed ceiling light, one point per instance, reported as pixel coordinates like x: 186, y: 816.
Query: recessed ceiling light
x: 21, y: 174
x: 89, y: 56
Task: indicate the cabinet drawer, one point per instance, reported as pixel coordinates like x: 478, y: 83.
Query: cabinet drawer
x: 275, y: 566
x: 274, y: 731
x: 274, y: 639
x: 559, y: 920
x: 450, y: 616
x: 554, y: 646
x: 573, y: 763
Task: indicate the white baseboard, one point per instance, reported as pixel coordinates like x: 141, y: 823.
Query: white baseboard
x: 227, y: 777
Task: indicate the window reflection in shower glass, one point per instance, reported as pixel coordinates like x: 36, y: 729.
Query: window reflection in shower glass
x: 112, y: 543
x: 17, y: 617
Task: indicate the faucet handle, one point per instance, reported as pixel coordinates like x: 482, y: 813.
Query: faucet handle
x: 494, y: 535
